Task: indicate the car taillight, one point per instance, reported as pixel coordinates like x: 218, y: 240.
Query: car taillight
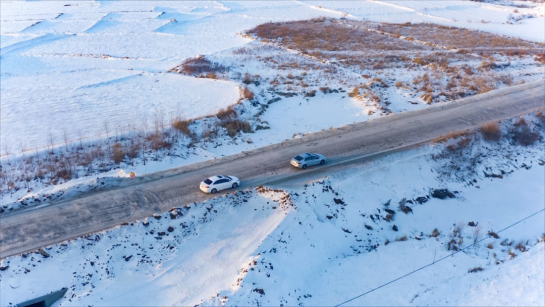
x: 206, y: 187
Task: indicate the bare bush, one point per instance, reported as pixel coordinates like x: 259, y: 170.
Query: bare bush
x: 491, y: 132
x: 183, y: 126
x: 118, y: 153
x: 493, y: 234
x: 435, y: 233
x: 201, y: 65
x: 248, y: 94
x: 522, y: 134
x: 235, y: 126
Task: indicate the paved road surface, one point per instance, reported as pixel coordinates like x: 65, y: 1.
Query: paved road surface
x: 26, y: 230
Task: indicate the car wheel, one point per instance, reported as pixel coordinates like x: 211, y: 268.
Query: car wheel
x: 322, y: 162
x: 304, y: 166
x: 235, y: 185
x: 213, y: 191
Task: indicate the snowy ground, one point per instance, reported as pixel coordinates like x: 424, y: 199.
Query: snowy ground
x: 321, y: 242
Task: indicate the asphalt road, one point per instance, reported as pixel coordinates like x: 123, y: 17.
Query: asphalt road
x: 29, y: 229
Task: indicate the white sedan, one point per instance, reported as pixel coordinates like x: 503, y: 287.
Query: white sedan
x: 218, y: 183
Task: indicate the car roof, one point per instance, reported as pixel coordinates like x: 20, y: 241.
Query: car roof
x: 307, y: 154
x: 214, y: 178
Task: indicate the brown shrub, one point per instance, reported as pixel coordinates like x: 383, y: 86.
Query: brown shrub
x: 521, y: 247
x: 65, y: 173
x: 525, y: 136
x: 201, y: 65
x: 229, y: 113
x: 183, y: 126
x: 491, y: 132
x: 248, y: 94
x: 118, y: 153
x: 435, y: 233
x: 355, y: 92
x: 235, y: 126
x: 512, y: 254
x: 493, y: 234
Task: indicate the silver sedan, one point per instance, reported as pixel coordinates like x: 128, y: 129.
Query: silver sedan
x: 308, y: 159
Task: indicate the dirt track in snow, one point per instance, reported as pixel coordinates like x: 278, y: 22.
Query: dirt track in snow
x: 27, y: 230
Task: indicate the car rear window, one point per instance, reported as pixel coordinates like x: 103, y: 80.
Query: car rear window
x: 298, y: 158
x: 208, y: 181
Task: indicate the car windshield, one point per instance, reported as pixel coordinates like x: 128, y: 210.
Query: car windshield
x: 228, y: 177
x: 298, y: 158
x: 208, y: 181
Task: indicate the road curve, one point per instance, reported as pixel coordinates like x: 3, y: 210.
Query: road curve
x: 29, y: 229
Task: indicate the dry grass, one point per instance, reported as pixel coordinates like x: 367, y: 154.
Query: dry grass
x: 450, y: 135
x: 248, y: 94
x: 234, y: 126
x: 200, y: 65
x: 435, y: 233
x: 491, y: 132
x: 400, y: 239
x: 522, y: 134
x: 452, y: 37
x: 118, y: 153
x: 183, y: 126
x: 493, y: 234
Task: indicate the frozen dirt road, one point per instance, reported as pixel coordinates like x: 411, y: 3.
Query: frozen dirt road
x: 27, y: 230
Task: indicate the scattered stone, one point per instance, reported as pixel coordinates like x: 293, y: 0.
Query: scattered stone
x: 44, y: 253
x: 346, y: 230
x: 157, y: 217
x: 472, y: 224
x: 145, y: 224
x: 492, y: 175
x: 338, y: 201
x: 394, y: 228
x: 442, y: 193
x: 170, y: 229
x: 3, y: 268
x: 422, y: 199
x: 259, y: 290
x: 127, y: 258
x: 368, y: 227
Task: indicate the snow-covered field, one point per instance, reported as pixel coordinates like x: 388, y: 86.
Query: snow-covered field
x: 322, y: 241
x: 91, y: 61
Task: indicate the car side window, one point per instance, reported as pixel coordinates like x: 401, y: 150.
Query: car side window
x: 221, y: 181
x: 308, y: 159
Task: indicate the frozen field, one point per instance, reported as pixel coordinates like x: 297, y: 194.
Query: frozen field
x: 69, y: 67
